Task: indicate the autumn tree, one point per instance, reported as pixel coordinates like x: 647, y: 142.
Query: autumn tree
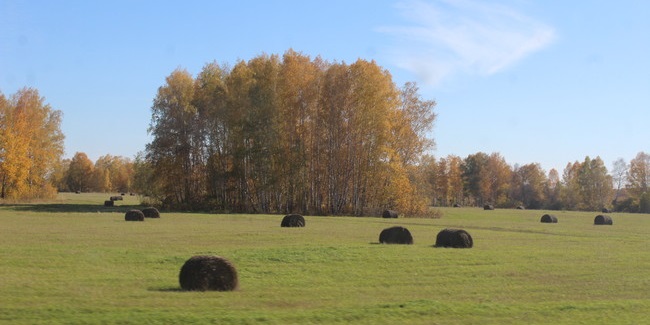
x: 176, y: 149
x: 528, y: 185
x: 80, y: 171
x: 619, y: 177
x: 31, y: 144
x: 638, y: 175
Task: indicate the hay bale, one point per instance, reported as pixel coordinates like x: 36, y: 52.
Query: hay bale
x: 454, y: 238
x: 208, y: 273
x: 151, y: 212
x: 549, y: 218
x: 521, y: 207
x: 605, y: 210
x: 396, y: 235
x: 389, y: 214
x: 134, y: 215
x: 603, y: 220
x: 488, y: 207
x: 293, y: 220
x: 108, y: 203
x: 116, y: 198
x: 456, y: 205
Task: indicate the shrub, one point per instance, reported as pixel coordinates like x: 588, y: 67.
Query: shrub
x: 549, y: 218
x: 603, y: 220
x: 454, y: 238
x: 293, y: 220
x: 389, y: 214
x: 396, y: 235
x: 134, y: 215
x: 151, y: 212
x: 203, y: 273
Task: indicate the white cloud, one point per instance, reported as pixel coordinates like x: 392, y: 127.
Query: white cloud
x: 448, y: 37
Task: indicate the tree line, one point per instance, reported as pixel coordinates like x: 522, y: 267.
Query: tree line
x: 481, y: 179
x: 107, y: 174
x: 287, y: 134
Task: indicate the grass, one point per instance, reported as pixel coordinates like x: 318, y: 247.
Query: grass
x: 73, y: 261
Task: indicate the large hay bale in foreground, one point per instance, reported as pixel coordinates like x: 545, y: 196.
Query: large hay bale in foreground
x: 293, y: 220
x: 454, y: 238
x: 488, y: 207
x: 603, y: 220
x: 151, y: 212
x: 134, y: 215
x: 549, y: 218
x: 208, y: 273
x: 396, y: 235
x: 389, y: 214
x: 108, y: 203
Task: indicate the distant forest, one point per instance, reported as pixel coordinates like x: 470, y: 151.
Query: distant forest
x: 293, y: 134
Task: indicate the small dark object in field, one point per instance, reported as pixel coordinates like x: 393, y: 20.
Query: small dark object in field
x: 151, y: 213
x: 389, y: 214
x: 395, y: 235
x: 521, y: 207
x: 116, y: 198
x: 603, y: 220
x: 122, y: 194
x: 488, y: 207
x: 456, y: 205
x: 605, y: 210
x: 203, y: 273
x: 293, y: 220
x: 549, y: 218
x: 77, y: 192
x: 134, y: 215
x: 108, y: 203
x: 455, y: 238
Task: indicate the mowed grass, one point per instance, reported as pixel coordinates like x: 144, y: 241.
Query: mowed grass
x: 75, y: 262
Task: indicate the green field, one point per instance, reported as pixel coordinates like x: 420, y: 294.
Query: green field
x: 73, y: 261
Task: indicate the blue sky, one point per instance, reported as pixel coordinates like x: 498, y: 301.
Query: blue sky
x: 537, y: 81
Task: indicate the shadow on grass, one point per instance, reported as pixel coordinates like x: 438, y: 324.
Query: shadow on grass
x: 68, y: 207
x: 168, y: 289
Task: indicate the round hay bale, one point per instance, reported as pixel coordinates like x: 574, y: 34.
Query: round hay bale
x: 151, y: 212
x: 549, y: 218
x: 389, y: 214
x: 605, y: 210
x: 454, y: 238
x: 456, y: 205
x: 134, y: 215
x: 521, y: 207
x: 293, y: 220
x: 603, y: 220
x: 208, y: 273
x: 488, y: 207
x: 108, y: 203
x: 396, y: 235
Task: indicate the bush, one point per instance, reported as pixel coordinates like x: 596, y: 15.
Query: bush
x: 396, y: 235
x: 389, y: 214
x: 208, y: 273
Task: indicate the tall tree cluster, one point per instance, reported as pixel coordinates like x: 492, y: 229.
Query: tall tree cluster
x: 107, y: 174
x: 31, y: 144
x: 482, y: 179
x: 287, y: 134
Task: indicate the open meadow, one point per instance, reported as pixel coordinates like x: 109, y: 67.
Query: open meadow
x: 73, y: 261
